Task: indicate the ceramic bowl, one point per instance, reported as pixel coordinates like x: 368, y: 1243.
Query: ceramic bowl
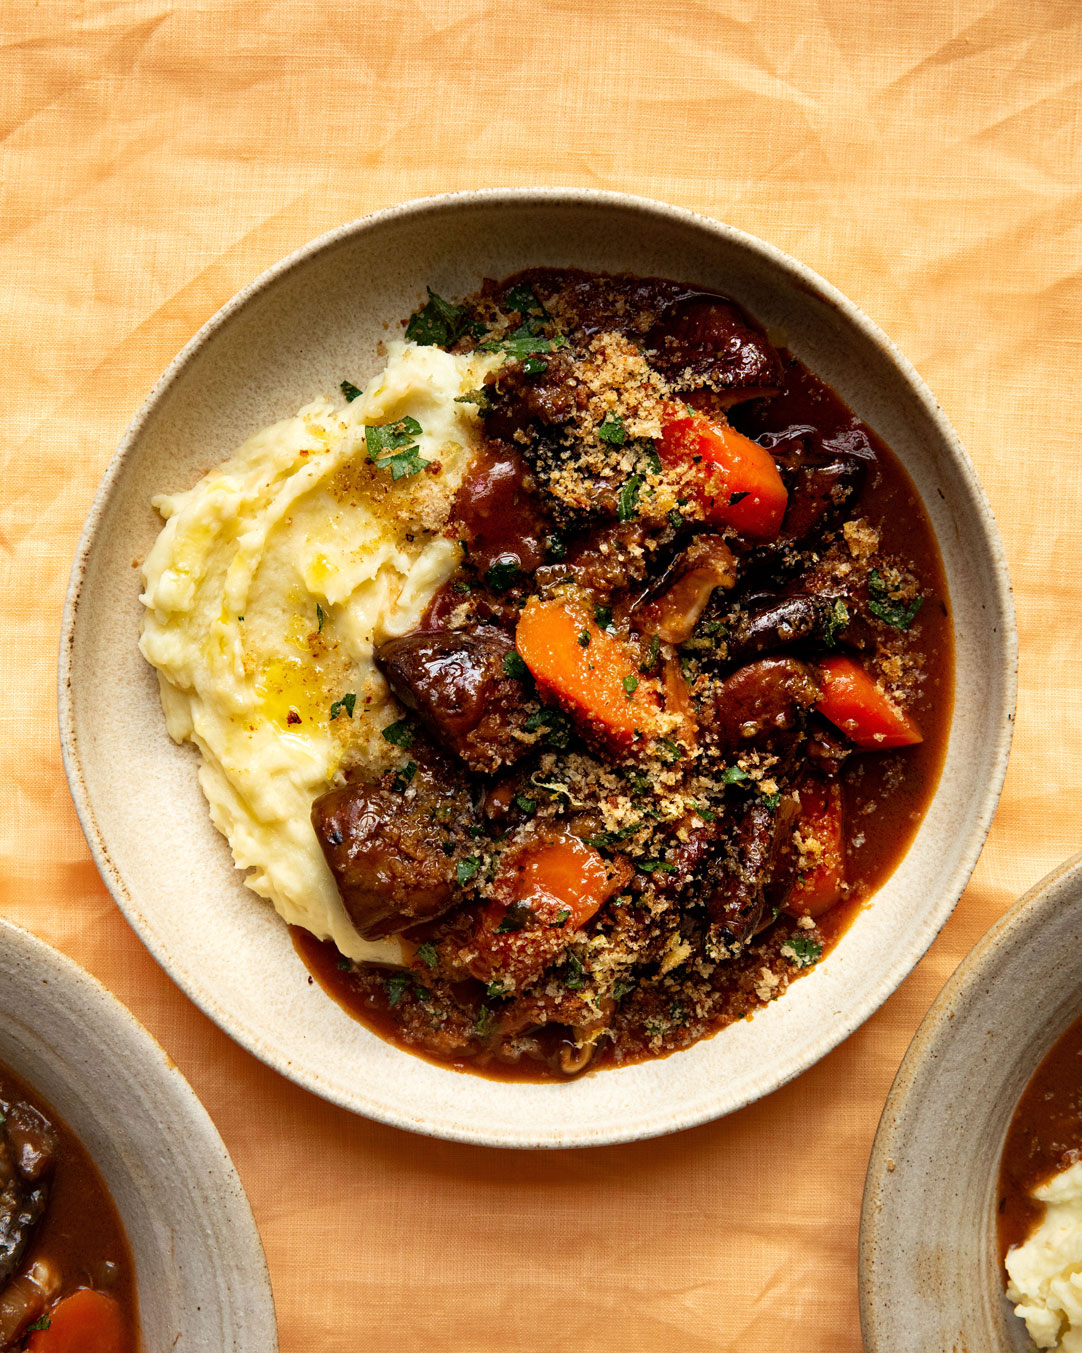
x: 293, y: 334
x: 199, y: 1269
x: 929, y: 1265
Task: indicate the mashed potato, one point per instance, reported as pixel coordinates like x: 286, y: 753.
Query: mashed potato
x: 1046, y: 1271
x: 266, y: 591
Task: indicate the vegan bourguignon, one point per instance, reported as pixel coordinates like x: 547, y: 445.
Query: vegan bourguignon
x: 678, y: 713
x: 66, y: 1272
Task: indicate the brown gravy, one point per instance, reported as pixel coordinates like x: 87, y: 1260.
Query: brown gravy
x: 1044, y: 1138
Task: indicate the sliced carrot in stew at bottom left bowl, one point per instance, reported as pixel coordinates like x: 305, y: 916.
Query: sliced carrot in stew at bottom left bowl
x: 85, y: 1322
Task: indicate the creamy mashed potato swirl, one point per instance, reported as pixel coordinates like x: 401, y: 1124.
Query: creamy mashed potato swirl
x: 269, y: 585
x: 1046, y: 1271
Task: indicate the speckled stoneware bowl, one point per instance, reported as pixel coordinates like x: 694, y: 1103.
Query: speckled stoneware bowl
x: 929, y: 1266
x: 293, y: 334
x: 200, y: 1273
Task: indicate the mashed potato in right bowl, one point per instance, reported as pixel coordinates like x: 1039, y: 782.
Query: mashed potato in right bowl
x: 1040, y: 1200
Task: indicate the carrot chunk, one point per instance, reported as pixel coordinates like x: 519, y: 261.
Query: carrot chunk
x: 85, y: 1322
x: 740, y: 485
x: 592, y: 673
x: 819, y: 886
x: 864, y: 712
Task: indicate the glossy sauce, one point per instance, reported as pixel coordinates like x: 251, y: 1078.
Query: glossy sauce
x: 81, y: 1233
x: 1045, y: 1138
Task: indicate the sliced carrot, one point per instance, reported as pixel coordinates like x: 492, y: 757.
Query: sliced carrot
x: 820, y: 826
x: 860, y: 707
x: 85, y: 1322
x: 740, y: 484
x: 592, y: 673
x: 544, y: 892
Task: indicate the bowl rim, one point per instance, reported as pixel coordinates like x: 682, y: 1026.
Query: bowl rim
x: 975, y: 974
x: 76, y: 992
x: 798, y: 275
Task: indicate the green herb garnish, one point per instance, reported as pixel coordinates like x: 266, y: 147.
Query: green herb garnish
x: 584, y: 638
x: 733, y: 775
x: 655, y: 866
x: 514, y: 666
x: 348, y: 703
x: 514, y: 919
x: 405, y: 775
x: 391, y: 446
x: 802, y: 951
x: 527, y: 805
x: 467, y: 869
x: 836, y: 621
x: 652, y: 653
x: 627, y: 503
x: 630, y: 685
x: 612, y: 430
x: 438, y: 323
x: 603, y: 616
x: 351, y: 393
x: 575, y: 977
x: 899, y: 614
x: 427, y: 953
x: 320, y: 618
x: 400, y: 734
x: 396, y: 986
x: 503, y: 574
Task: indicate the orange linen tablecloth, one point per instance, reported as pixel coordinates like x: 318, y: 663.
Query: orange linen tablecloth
x: 924, y: 155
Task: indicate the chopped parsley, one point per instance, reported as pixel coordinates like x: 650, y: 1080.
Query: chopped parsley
x: 555, y: 725
x: 562, y: 918
x: 611, y: 838
x: 772, y: 801
x: 669, y: 751
x: 676, y: 519
x: 733, y: 775
x: 612, y: 430
x: 396, y: 987
x: 575, y: 975
x: 438, y: 323
x: 400, y: 734
x: 735, y: 498
x: 514, y: 666
x: 404, y: 776
x: 522, y: 300
x: 556, y: 546
x: 527, y: 805
x: 483, y: 1025
x: 802, y: 951
x: 524, y: 342
x: 496, y: 989
x: 652, y: 653
x: 348, y: 703
x: 630, y: 685
x: 514, y: 919
x: 467, y: 869
x: 42, y: 1323
x: 320, y: 618
x: 391, y: 446
x: 478, y: 397
x: 603, y: 616
x: 584, y: 638
x: 627, y: 504
x: 504, y: 573
x: 350, y: 391
x: 835, y: 622
x: 655, y: 866
x: 427, y: 953
x: 898, y: 614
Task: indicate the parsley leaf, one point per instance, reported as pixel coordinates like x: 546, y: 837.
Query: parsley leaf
x: 575, y: 977
x: 514, y: 666
x: 804, y: 951
x: 556, y: 546
x: 320, y: 618
x: 348, y: 703
x: 350, y: 391
x: 527, y: 805
x: 670, y: 751
x: 584, y: 638
x: 514, y: 919
x: 438, y: 323
x: 523, y: 343
x: 562, y: 918
x: 896, y: 613
x: 522, y: 300
x: 835, y: 621
x: 556, y: 726
x: 504, y: 573
x: 650, y: 661
x: 467, y: 869
x: 391, y: 446
x: 396, y: 986
x: 478, y: 397
x: 733, y: 775
x: 735, y: 498
x: 676, y: 519
x: 42, y: 1323
x: 612, y: 430
x: 627, y: 504
x: 655, y: 866
x: 404, y: 776
x: 427, y: 953
x: 772, y: 801
x: 400, y: 734
x: 622, y: 988
x: 495, y: 989
x: 483, y: 1024
x: 603, y: 616
x: 630, y: 685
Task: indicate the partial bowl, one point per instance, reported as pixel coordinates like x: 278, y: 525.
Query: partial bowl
x: 929, y: 1264
x: 200, y: 1274
x: 291, y: 335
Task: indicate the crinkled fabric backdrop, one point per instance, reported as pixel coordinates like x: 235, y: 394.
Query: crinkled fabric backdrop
x: 923, y: 155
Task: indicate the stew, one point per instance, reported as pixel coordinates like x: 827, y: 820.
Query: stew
x: 679, y: 711
x: 66, y: 1272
